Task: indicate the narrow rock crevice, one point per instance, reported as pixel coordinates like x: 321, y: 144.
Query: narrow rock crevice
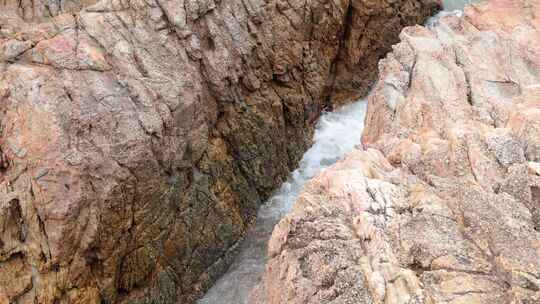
x: 162, y: 127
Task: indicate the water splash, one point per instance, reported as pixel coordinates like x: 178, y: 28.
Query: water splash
x: 336, y: 134
x: 433, y: 21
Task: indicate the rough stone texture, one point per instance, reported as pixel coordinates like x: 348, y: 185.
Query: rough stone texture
x: 138, y: 137
x: 371, y: 31
x: 441, y: 204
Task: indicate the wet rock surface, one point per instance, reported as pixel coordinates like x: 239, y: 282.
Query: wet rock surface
x: 440, y: 204
x: 138, y: 138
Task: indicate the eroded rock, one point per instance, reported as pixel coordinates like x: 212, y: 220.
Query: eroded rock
x: 138, y: 138
x: 441, y: 203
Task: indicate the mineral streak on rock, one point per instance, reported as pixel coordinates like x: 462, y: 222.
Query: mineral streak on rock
x: 138, y: 137
x: 441, y: 204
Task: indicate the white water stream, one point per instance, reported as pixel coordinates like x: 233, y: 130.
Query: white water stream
x: 336, y: 134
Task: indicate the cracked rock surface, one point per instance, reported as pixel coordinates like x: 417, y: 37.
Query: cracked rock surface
x: 138, y: 137
x: 442, y: 202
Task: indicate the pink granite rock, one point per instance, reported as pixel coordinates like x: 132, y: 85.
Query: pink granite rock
x: 442, y: 204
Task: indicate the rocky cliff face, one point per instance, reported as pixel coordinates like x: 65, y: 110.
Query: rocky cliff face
x: 138, y: 138
x: 442, y: 204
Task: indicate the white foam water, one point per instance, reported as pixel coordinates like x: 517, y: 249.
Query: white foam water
x: 433, y: 21
x: 336, y: 134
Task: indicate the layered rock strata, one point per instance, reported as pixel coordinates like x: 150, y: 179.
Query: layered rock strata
x: 442, y: 202
x: 138, y: 137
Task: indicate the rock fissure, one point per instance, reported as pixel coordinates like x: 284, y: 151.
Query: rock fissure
x: 457, y: 225
x: 162, y: 127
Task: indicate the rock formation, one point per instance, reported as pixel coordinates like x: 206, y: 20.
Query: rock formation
x: 442, y: 202
x: 138, y: 137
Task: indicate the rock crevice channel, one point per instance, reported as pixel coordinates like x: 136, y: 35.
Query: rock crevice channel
x: 139, y: 137
x: 440, y: 202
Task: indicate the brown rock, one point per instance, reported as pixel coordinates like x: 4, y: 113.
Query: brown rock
x: 442, y: 204
x: 138, y: 138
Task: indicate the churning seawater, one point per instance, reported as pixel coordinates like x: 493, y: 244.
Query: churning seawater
x: 336, y: 134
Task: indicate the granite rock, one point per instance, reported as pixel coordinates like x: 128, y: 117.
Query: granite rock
x: 441, y: 202
x: 139, y: 137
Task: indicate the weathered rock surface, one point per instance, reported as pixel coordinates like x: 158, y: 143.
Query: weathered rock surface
x: 138, y: 137
x: 441, y: 204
